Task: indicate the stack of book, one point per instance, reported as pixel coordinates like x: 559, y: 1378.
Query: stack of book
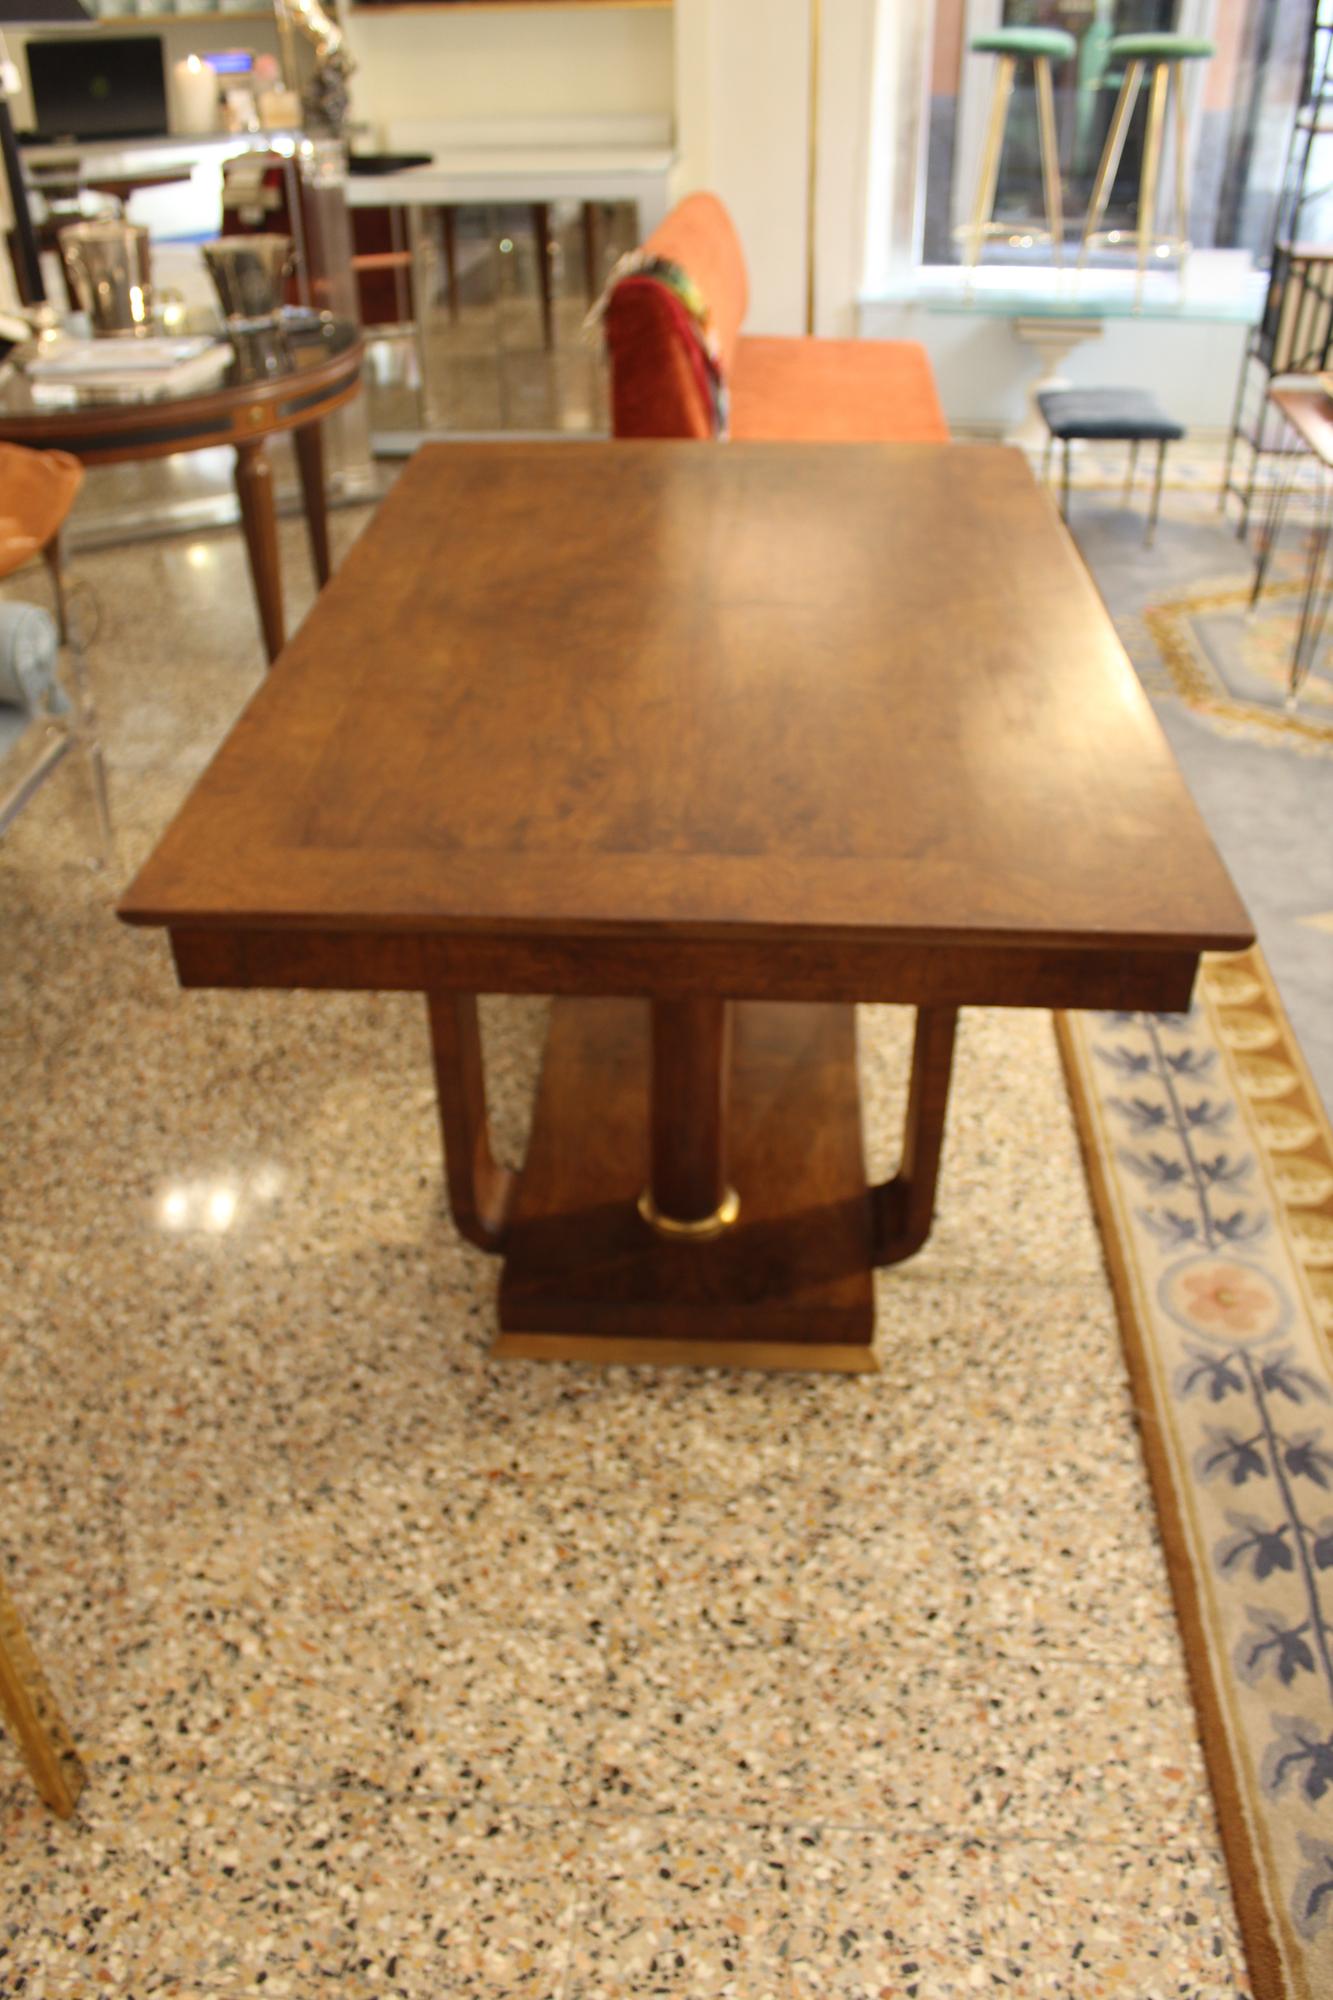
x: 135, y: 370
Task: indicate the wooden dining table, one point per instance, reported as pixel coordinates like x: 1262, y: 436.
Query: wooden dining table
x: 709, y: 743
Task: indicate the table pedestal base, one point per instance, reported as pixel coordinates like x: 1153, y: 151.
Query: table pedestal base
x: 787, y: 1285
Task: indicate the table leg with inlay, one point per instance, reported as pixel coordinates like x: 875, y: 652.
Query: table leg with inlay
x: 254, y: 490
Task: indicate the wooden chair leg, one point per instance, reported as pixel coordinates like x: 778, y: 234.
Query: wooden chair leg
x: 32, y: 1714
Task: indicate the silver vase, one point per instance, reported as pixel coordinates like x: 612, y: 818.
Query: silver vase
x: 109, y: 268
x: 247, y: 272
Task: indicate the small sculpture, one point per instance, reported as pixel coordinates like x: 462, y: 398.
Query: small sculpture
x: 324, y: 98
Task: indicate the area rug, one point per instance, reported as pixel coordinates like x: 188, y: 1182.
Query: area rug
x: 1211, y: 1164
x: 1233, y: 665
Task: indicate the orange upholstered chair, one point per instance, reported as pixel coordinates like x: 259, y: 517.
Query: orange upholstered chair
x: 818, y: 390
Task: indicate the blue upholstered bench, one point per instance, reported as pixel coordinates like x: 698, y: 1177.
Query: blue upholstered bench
x: 1131, y: 416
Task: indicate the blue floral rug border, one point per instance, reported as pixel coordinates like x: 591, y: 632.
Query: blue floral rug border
x: 1211, y: 1165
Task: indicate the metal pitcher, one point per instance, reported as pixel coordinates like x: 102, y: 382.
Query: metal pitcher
x: 108, y: 266
x: 248, y: 272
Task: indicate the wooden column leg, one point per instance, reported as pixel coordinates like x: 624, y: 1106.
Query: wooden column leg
x: 254, y: 488
x: 541, y: 229
x: 904, y: 1207
x: 480, y: 1192
x: 310, y: 458
x: 30, y: 1710
x: 688, y: 1193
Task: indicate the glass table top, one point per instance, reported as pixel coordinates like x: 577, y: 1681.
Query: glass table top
x: 301, y: 340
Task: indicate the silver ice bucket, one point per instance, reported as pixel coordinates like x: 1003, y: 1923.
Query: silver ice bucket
x: 247, y: 272
x: 108, y: 266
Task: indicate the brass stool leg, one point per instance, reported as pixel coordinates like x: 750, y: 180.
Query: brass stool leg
x: 1114, y: 147
x: 1152, y: 167
x: 1046, y: 458
x: 1050, y: 159
x: 31, y: 1712
x: 1064, y: 483
x: 984, y: 206
x: 1151, y: 528
x: 1182, y: 174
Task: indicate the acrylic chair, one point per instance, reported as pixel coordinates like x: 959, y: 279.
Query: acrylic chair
x: 37, y: 491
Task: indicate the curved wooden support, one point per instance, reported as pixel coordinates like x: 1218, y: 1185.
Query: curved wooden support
x: 903, y: 1209
x: 30, y: 1709
x: 480, y: 1191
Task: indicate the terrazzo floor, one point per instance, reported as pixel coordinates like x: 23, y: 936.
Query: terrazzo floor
x: 399, y: 1671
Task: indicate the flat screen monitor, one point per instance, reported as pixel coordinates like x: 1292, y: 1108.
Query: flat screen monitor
x: 88, y: 88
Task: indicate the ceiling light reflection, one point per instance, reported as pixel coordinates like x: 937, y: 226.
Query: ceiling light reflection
x: 215, y: 1205
x: 221, y: 1210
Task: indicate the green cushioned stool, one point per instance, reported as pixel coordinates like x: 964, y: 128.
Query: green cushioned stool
x: 1166, y: 56
x: 1041, y: 47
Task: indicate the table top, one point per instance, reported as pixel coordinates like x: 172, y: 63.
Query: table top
x: 309, y: 340
x: 664, y: 691
x: 1310, y: 414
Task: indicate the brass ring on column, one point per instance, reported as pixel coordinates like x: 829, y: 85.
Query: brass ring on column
x: 701, y: 1231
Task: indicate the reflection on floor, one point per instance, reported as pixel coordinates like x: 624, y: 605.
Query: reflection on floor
x: 401, y: 1672
x: 479, y: 366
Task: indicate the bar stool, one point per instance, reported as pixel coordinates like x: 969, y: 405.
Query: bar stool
x: 1167, y: 56
x: 1041, y: 47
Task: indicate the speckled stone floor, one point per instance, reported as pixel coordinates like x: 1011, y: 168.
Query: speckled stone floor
x: 402, y: 1672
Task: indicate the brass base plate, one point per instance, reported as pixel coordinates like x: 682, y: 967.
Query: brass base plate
x: 772, y: 1355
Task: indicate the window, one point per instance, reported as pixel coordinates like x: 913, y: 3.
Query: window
x: 1242, y: 104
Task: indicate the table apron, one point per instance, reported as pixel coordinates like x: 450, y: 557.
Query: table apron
x: 949, y: 974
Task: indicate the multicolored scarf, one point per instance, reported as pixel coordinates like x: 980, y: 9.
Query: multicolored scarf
x: 693, y: 312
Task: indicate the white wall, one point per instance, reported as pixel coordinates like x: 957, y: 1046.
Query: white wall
x: 511, y: 63
x: 742, y: 97
x: 985, y: 373
x: 743, y: 90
